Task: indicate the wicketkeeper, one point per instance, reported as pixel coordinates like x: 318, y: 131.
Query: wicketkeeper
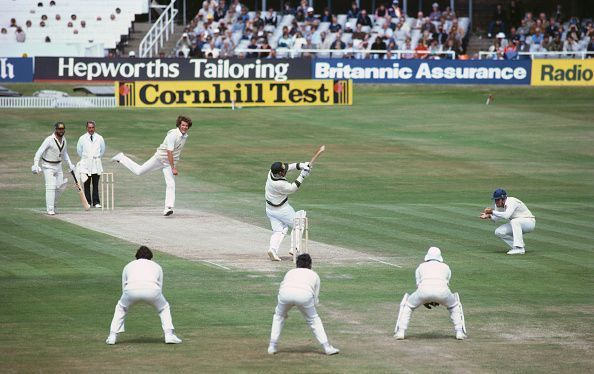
x: 433, y: 277
x: 278, y: 209
x: 51, y: 153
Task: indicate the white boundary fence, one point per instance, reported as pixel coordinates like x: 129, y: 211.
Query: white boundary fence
x: 339, y: 53
x: 544, y: 54
x: 62, y: 102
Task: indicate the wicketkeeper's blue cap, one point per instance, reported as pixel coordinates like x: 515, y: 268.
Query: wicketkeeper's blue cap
x: 499, y: 194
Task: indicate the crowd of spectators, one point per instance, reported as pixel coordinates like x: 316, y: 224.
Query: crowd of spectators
x: 514, y: 31
x: 229, y: 29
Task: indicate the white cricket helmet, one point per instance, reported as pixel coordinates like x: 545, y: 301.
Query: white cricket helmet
x: 434, y: 253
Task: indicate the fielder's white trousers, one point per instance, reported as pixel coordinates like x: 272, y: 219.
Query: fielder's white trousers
x: 55, y: 184
x: 304, y: 301
x: 151, y: 164
x: 513, y: 232
x: 429, y: 293
x: 281, y: 219
x: 149, y: 296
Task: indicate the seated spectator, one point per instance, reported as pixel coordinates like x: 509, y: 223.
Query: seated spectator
x: 434, y: 49
x: 28, y: 24
x: 69, y: 24
x: 394, y: 10
x: 448, y: 14
x: 299, y: 43
x: 265, y: 54
x: 359, y: 33
x: 353, y: 11
x: 435, y: 14
x: 555, y: 44
x: 428, y: 26
x: 418, y: 23
x: 440, y: 35
x: 326, y: 15
x: 73, y: 17
x: 497, y: 23
x: 401, y: 34
x: 253, y: 46
x: 570, y: 45
x: 270, y: 20
x: 501, y: 39
x: 257, y: 22
x: 303, y: 5
x: 4, y: 34
x: 452, y: 45
x: 42, y: 24
x: 510, y: 52
x: 13, y: 23
x: 360, y: 48
x: 523, y: 30
x: 496, y: 50
x: 380, y: 12
x: 112, y: 17
x: 408, y: 48
x: 287, y: 9
x: 299, y: 16
x: 378, y: 45
x: 334, y: 25
x: 48, y: 39
x: 337, y: 46
x: 421, y: 50
x: 364, y: 19
x: 285, y: 40
x: 537, y: 37
x: 385, y: 32
x: 58, y: 17
x: 310, y: 18
x: 326, y: 43
x: 52, y: 3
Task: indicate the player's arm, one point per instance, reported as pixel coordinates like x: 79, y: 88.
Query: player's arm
x: 67, y: 159
x: 40, y: 151
x: 510, y: 207
x: 170, y: 141
x: 101, y: 147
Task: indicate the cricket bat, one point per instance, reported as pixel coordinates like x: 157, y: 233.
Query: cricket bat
x: 81, y: 194
x: 317, y: 154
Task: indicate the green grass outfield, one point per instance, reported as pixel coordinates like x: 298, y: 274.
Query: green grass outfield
x: 406, y: 167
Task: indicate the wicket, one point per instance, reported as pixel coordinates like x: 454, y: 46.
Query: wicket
x: 301, y: 228
x: 107, y: 191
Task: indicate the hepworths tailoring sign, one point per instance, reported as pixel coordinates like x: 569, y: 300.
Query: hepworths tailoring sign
x: 424, y: 71
x: 167, y: 69
x: 562, y: 72
x: 234, y: 93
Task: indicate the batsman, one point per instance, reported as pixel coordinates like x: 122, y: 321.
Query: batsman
x: 51, y: 153
x: 279, y: 211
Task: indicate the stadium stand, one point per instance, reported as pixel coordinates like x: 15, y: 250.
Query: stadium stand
x: 545, y: 36
x: 218, y: 31
x: 66, y: 27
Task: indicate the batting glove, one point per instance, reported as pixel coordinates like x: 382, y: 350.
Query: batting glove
x: 304, y: 166
x: 304, y: 173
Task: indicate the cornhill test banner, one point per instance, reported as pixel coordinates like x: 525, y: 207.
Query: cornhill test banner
x: 165, y: 94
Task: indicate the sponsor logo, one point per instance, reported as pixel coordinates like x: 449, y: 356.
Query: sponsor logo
x: 234, y: 93
x: 551, y: 72
x: 71, y: 68
x: 415, y: 71
x: 16, y: 69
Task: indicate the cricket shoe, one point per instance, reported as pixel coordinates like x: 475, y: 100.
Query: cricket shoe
x: 516, y: 251
x: 117, y: 157
x: 272, y: 349
x: 111, y: 339
x: 97, y: 205
x: 460, y: 335
x: 167, y: 212
x: 51, y: 213
x: 399, y: 335
x: 330, y: 350
x: 273, y: 256
x: 172, y: 339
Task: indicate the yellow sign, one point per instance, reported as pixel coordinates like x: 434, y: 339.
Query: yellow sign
x: 562, y: 72
x: 169, y: 94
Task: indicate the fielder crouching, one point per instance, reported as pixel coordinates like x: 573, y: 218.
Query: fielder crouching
x: 300, y: 288
x: 142, y: 281
x: 51, y: 153
x: 278, y: 209
x: 433, y: 277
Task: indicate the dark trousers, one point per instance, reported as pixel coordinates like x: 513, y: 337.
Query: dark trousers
x: 95, y: 179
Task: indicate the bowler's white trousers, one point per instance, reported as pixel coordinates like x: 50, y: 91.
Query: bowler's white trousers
x: 513, y: 232
x: 151, y: 164
x: 55, y: 184
x: 304, y: 301
x: 149, y: 296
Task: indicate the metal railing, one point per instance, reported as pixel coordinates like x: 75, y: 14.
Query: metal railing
x: 363, y: 53
x: 59, y: 102
x: 159, y: 33
x: 543, y: 54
